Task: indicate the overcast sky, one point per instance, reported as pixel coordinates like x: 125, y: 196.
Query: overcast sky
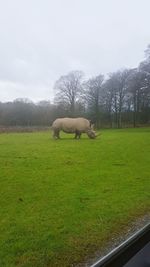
x: 40, y: 40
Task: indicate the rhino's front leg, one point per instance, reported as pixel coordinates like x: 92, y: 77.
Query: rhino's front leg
x: 77, y: 135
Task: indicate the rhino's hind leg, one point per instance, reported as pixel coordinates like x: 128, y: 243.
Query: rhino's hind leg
x: 79, y: 135
x: 56, y: 134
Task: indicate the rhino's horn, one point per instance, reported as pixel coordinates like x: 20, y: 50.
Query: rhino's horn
x: 97, y: 134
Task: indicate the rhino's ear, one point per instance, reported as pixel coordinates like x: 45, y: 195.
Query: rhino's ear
x: 92, y: 126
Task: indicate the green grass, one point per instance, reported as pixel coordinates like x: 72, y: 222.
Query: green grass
x: 60, y: 201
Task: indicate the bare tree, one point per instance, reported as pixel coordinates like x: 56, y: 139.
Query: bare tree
x: 92, y: 93
x: 68, y: 90
x: 139, y: 88
x: 147, y: 54
x: 108, y: 98
x: 118, y: 85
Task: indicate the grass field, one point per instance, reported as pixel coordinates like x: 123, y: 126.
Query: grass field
x: 60, y: 201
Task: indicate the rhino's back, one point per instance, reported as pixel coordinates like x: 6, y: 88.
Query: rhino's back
x: 75, y: 124
x: 57, y: 123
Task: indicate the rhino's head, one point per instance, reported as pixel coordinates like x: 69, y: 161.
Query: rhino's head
x: 91, y: 134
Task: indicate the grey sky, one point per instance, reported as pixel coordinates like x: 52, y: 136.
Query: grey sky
x: 43, y: 39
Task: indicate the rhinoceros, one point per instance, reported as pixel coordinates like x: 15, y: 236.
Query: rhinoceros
x: 73, y: 125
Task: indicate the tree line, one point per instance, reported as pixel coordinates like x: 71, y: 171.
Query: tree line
x: 120, y: 100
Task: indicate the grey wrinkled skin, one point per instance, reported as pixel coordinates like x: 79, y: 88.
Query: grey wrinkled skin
x: 73, y: 125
